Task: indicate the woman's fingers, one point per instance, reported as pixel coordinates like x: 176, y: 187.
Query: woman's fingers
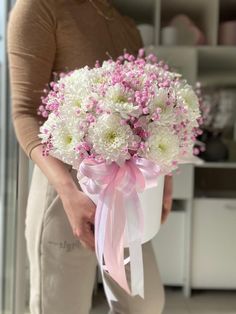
x: 164, y: 215
x: 166, y: 209
x: 85, y: 235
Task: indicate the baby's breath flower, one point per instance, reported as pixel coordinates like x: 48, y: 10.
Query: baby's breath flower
x: 189, y: 99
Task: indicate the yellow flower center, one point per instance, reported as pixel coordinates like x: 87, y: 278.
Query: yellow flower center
x: 99, y: 80
x: 78, y: 103
x: 68, y: 139
x: 121, y: 99
x: 161, y: 103
x: 162, y: 147
x: 111, y: 136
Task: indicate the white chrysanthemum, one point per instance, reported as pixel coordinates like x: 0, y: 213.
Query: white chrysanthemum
x: 77, y: 91
x: 97, y: 76
x: 119, y: 100
x: 65, y: 137
x: 63, y: 140
x: 110, y: 139
x: 190, y: 101
x: 159, y: 100
x: 77, y: 78
x: 162, y: 147
x: 47, y: 128
x: 167, y: 114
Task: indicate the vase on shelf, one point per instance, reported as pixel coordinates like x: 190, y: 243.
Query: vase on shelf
x: 227, y: 33
x: 215, y: 148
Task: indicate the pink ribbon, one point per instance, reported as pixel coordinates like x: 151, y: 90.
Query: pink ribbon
x: 119, y: 213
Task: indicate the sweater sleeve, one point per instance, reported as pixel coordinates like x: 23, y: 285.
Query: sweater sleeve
x: 31, y: 53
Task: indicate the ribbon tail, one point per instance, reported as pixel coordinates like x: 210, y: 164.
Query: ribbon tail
x: 100, y: 223
x: 135, y: 227
x: 114, y: 245
x: 136, y: 269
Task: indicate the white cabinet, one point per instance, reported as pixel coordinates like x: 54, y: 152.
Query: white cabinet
x: 213, y: 243
x: 169, y: 248
x: 171, y: 245
x: 183, y: 182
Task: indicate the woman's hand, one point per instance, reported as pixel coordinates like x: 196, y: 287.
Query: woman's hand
x: 80, y: 211
x: 167, y: 198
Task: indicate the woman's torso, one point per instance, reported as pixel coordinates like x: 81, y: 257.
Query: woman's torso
x: 88, y: 31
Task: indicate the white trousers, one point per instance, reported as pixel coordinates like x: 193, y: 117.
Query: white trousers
x: 62, y: 271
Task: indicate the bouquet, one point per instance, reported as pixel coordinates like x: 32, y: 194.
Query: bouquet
x: 121, y: 125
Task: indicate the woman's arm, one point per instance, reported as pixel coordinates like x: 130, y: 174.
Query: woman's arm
x: 167, y: 198
x: 31, y: 51
x: 79, y: 208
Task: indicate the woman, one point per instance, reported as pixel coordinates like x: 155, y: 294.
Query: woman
x: 47, y: 36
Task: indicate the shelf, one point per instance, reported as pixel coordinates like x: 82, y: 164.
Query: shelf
x: 217, y: 165
x: 212, y: 66
x: 215, y: 182
x: 203, y: 13
x: 178, y: 206
x: 217, y: 79
x: 187, y: 66
x: 217, y: 59
x: 227, y: 10
x: 140, y: 11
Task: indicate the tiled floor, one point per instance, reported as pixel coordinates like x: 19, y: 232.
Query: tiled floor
x: 201, y: 302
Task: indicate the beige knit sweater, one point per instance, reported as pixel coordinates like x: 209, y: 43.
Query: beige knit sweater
x: 46, y: 36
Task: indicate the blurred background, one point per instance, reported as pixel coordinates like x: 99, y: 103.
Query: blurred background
x: 196, y: 248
